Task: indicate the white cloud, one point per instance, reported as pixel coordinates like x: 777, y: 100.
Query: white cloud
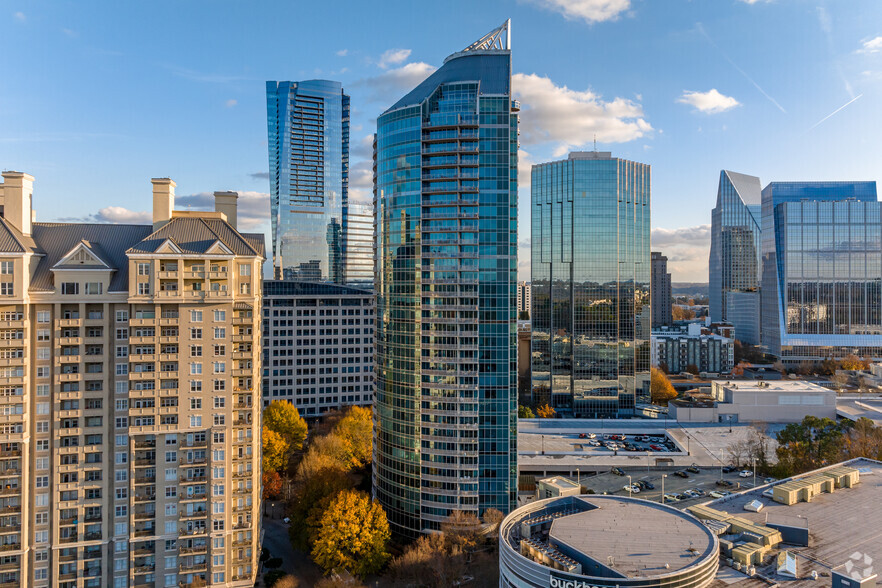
x: 114, y: 215
x: 754, y: 1
x: 343, y: 52
x: 70, y: 33
x: 231, y: 103
x: 253, y: 207
x: 687, y: 250
x: 710, y: 102
x: 19, y: 16
x: 364, y: 148
x: 361, y: 175
x: 590, y: 11
x: 393, y: 57
x: 556, y: 114
x: 260, y: 175
x: 390, y: 85
x: 871, y: 46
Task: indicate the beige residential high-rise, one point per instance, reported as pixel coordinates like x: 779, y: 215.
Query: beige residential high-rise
x: 129, y: 397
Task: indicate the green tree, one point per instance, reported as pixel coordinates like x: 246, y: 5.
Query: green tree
x: 354, y: 535
x: 524, y: 412
x: 661, y: 390
x: 355, y: 431
x: 275, y: 451
x: 282, y: 417
x: 808, y: 445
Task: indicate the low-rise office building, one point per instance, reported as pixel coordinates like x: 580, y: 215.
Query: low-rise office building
x: 318, y: 345
x: 679, y: 348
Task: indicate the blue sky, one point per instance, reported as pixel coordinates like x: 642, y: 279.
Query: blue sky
x: 97, y: 98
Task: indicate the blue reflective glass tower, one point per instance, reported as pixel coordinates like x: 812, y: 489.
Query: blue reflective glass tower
x: 822, y: 270
x: 590, y: 271
x: 734, y: 264
x: 308, y: 136
x: 446, y: 389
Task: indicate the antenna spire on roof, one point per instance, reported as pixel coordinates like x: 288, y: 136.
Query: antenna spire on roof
x: 595, y: 142
x: 499, y: 39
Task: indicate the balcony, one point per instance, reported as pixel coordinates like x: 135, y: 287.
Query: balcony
x: 144, y: 532
x: 146, y: 444
x: 145, y: 516
x: 191, y: 480
x: 194, y: 549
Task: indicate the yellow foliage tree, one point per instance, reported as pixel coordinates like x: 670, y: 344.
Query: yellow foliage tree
x: 282, y: 417
x: 354, y: 535
x: 853, y: 362
x: 275, y: 451
x: 545, y: 412
x: 355, y: 431
x: 661, y: 390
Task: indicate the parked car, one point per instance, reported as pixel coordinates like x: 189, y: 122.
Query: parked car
x: 583, y: 435
x: 681, y: 473
x: 655, y: 447
x: 745, y: 474
x: 715, y: 494
x: 617, y: 471
x: 690, y: 494
x: 648, y: 485
x: 694, y: 469
x: 699, y: 491
x: 634, y: 488
x: 725, y: 483
x: 769, y: 480
x: 729, y: 469
x: 671, y: 498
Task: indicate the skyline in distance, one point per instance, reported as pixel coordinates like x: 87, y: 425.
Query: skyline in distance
x: 778, y: 90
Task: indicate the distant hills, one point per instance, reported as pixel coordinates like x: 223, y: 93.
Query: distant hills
x: 689, y: 288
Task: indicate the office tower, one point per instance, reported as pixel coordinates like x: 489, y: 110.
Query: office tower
x: 130, y: 445
x: 660, y: 291
x: 523, y: 297
x: 308, y: 136
x: 678, y: 348
x: 318, y: 346
x: 591, y: 278
x: 822, y: 269
x: 445, y: 431
x: 358, y: 248
x: 734, y: 264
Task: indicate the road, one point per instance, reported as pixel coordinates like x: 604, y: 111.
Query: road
x: 296, y: 563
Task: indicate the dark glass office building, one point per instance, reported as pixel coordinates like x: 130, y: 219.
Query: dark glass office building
x: 591, y: 285
x: 308, y: 136
x: 446, y: 377
x: 822, y: 270
x: 734, y: 263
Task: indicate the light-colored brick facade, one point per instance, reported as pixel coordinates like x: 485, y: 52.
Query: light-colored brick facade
x: 129, y: 398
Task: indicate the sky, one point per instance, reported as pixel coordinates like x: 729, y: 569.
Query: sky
x: 97, y: 98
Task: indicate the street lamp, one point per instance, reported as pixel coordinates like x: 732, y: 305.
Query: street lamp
x: 754, y: 472
x: 629, y: 486
x: 663, y: 487
x: 543, y: 444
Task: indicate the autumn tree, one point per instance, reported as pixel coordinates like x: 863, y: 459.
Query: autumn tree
x: 320, y: 476
x: 853, y: 362
x: 282, y: 417
x: 275, y: 451
x: 354, y: 535
x: 660, y: 388
x: 272, y: 485
x: 524, y: 412
x: 355, y: 431
x: 431, y: 561
x: 463, y: 529
x: 545, y: 412
x: 492, y: 519
x: 864, y: 439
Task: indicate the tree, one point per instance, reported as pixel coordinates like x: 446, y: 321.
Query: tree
x: 853, y: 362
x: 808, y: 445
x: 272, y: 485
x: 738, y: 453
x: 524, y: 412
x: 864, y: 439
x: 430, y: 561
x: 545, y: 412
x: 273, y: 577
x: 661, y: 390
x: 275, y: 451
x: 463, y: 529
x: 336, y: 581
x: 287, y: 582
x: 319, y: 477
x: 354, y: 535
x: 524, y: 315
x: 692, y: 369
x: 738, y: 370
x: 680, y: 313
x: 840, y: 380
x: 492, y: 519
x: 281, y: 417
x: 355, y: 431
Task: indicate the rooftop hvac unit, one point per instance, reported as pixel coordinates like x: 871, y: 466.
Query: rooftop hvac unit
x: 787, y: 564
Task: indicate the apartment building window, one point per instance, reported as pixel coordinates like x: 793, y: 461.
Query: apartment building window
x: 6, y: 289
x: 195, y: 369
x: 195, y: 316
x: 122, y: 351
x: 219, y: 401
x: 6, y: 268
x: 42, y: 334
x: 122, y: 387
x: 171, y: 580
x: 94, y: 288
x: 217, y: 490
x: 220, y: 333
x: 122, y: 369
x: 220, y: 385
x: 41, y: 573
x: 220, y: 316
x: 70, y: 288
x: 217, y: 525
x: 244, y: 269
x: 41, y: 537
x: 42, y: 481
x: 122, y: 334
x: 195, y: 350
x: 143, y: 288
x: 143, y: 269
x: 195, y: 421
x: 171, y: 492
x: 219, y: 420
x: 43, y: 316
x: 195, y: 404
x: 195, y: 333
x: 245, y: 288
x: 218, y: 437
x: 220, y: 367
x: 121, y: 511
x: 42, y: 389
x: 196, y: 386
x: 122, y: 316
x: 42, y: 444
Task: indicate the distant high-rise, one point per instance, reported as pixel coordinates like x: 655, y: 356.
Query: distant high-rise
x: 822, y: 270
x: 446, y: 379
x: 358, y: 245
x: 734, y: 264
x: 524, y: 297
x: 661, y: 291
x: 590, y: 284
x: 308, y: 136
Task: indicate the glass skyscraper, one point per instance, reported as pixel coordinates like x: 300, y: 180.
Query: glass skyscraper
x: 822, y: 270
x: 446, y: 381
x: 591, y: 285
x: 308, y: 135
x: 358, y: 247
x: 734, y: 264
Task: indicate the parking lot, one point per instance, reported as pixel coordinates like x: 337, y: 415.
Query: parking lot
x: 704, y: 481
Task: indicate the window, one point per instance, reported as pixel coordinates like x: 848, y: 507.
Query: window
x: 195, y: 350
x: 43, y: 372
x: 122, y: 333
x: 70, y: 288
x: 244, y: 269
x: 171, y: 510
x: 120, y: 565
x: 143, y: 269
x: 171, y: 491
x: 195, y: 385
x: 122, y: 493
x: 42, y: 408
x: 42, y: 481
x: 94, y: 288
x: 6, y: 289
x: 217, y: 454
x: 171, y: 456
x: 220, y: 350
x: 143, y: 289
x: 195, y: 421
x: 217, y: 525
x: 218, y: 437
x: 220, y: 333
x: 43, y: 316
x: 219, y: 367
x: 6, y: 268
x: 121, y: 511
x: 120, y: 529
x: 171, y: 561
x: 121, y: 457
x: 219, y: 401
x: 122, y: 316
x: 44, y: 353
x: 195, y: 316
x: 41, y: 573
x: 41, y: 556
x: 122, y: 369
x: 42, y: 335
x: 42, y: 426
x: 42, y: 444
x: 195, y: 403
x: 195, y: 333
x: 195, y: 369
x: 43, y: 500
x: 122, y: 422
x: 122, y: 387
x: 217, y: 490
x: 171, y: 475
x: 122, y: 351
x: 245, y: 288
x: 42, y: 389
x: 220, y: 316
x: 219, y: 419
x: 42, y: 463
x: 41, y: 537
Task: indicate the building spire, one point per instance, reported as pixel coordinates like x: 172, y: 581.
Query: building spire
x: 499, y: 39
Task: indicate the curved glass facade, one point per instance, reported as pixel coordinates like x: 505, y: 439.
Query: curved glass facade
x: 308, y: 136
x: 734, y: 262
x: 591, y: 285
x: 446, y: 191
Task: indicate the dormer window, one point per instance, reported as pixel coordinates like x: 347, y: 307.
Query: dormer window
x: 5, y: 268
x: 93, y: 288
x: 70, y: 288
x: 143, y: 269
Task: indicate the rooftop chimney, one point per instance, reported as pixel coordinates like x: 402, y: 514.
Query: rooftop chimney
x: 18, y: 188
x: 163, y: 201
x: 225, y: 202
